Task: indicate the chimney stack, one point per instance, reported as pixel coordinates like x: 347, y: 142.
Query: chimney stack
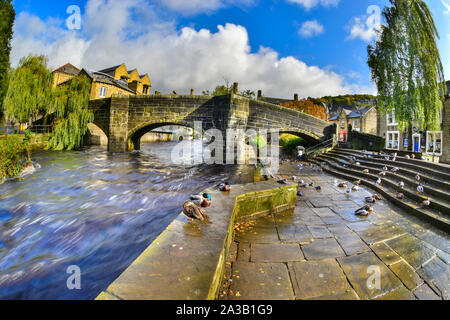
x: 235, y: 88
x: 296, y: 97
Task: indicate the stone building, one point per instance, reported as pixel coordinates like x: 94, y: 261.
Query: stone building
x: 360, y: 119
x: 432, y: 143
x: 107, y: 82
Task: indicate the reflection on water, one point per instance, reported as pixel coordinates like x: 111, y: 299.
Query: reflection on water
x: 91, y: 209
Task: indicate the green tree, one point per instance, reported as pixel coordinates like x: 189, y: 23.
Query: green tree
x: 70, y: 103
x: 221, y: 91
x: 248, y: 94
x: 7, y: 16
x: 406, y: 65
x: 29, y: 90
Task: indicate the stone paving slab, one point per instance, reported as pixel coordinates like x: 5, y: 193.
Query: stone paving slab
x: 424, y: 292
x: 298, y: 233
x: 319, y: 232
x: 313, y: 279
x: 413, y: 250
x: 352, y: 244
x: 398, y: 294
x: 260, y: 281
x: 359, y: 270
x: 437, y: 274
x: 276, y: 253
x: 323, y: 249
x: 406, y: 274
x: 385, y: 253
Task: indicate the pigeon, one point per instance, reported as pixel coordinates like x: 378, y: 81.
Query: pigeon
x: 224, y: 187
x: 418, y: 178
x: 413, y: 156
x: 420, y: 189
x: 394, y: 159
x: 348, y: 191
x: 387, y: 158
x: 357, y: 182
x: 299, y: 194
x: 382, y: 173
x: 385, y: 168
x: 394, y: 170
x: 311, y: 184
x: 294, y: 178
x: 377, y: 197
x: 355, y: 188
x: 378, y: 182
x: 400, y: 196
x: 335, y: 182
x: 343, y: 185
x: 319, y: 188
x: 408, y: 157
x: 282, y: 181
x: 358, y: 164
x: 301, y: 182
x: 304, y: 185
x: 371, y: 199
x: 366, y: 171
x: 401, y: 184
x: 426, y: 203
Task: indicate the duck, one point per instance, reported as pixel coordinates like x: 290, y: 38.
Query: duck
x: 395, y: 170
x: 400, y: 196
x: 357, y: 182
x: 377, y: 197
x: 355, y: 188
x: 343, y: 185
x: 224, y: 187
x: 204, y: 200
x: 420, y: 189
x: 401, y: 184
x: 366, y: 171
x: 362, y: 213
x: 193, y: 211
x: 367, y: 208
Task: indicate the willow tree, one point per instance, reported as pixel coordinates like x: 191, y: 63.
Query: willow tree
x: 7, y: 15
x: 406, y: 65
x: 29, y: 90
x: 70, y: 104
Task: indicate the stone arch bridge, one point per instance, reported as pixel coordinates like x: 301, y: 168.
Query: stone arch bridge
x: 124, y: 120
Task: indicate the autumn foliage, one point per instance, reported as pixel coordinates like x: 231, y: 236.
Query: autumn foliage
x: 308, y: 107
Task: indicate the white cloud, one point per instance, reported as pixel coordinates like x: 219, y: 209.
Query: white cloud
x: 191, y: 7
x: 310, y: 29
x: 446, y: 4
x: 174, y: 59
x: 366, y: 27
x: 309, y: 4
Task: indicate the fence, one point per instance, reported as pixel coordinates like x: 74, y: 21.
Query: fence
x: 21, y: 130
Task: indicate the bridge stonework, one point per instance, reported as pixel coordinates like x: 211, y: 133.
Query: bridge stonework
x: 125, y: 120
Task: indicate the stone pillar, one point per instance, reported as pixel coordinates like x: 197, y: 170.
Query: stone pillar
x: 118, y: 124
x: 235, y: 88
x: 296, y: 97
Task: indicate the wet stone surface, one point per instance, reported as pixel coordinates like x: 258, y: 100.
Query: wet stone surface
x: 323, y: 251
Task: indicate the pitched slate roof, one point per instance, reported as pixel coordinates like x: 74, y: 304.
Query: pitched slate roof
x: 68, y: 68
x: 107, y: 79
x: 357, y: 114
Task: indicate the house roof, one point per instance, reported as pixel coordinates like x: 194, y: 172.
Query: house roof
x: 111, y: 69
x: 358, y: 114
x: 107, y: 79
x: 68, y: 68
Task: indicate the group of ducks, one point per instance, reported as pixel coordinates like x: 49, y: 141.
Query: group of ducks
x: 194, y: 208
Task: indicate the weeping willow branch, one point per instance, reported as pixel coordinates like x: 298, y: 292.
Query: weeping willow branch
x: 70, y: 103
x: 406, y: 65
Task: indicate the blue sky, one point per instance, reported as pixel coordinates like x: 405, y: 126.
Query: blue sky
x: 315, y: 34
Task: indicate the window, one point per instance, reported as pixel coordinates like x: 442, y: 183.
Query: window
x: 434, y: 143
x: 355, y: 125
x: 342, y: 124
x: 390, y: 119
x: 393, y: 140
x: 102, y: 92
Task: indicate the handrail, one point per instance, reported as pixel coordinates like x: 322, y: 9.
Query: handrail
x: 330, y: 141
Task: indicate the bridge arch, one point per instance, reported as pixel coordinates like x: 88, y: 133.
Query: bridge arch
x: 135, y: 135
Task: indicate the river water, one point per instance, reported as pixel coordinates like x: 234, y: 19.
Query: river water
x: 95, y: 210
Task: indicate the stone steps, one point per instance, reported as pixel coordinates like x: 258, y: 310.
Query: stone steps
x: 388, y: 192
x: 436, y: 203
x: 433, y: 187
x: 423, y: 167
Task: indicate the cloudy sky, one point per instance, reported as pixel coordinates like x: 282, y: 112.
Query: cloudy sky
x: 310, y: 47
